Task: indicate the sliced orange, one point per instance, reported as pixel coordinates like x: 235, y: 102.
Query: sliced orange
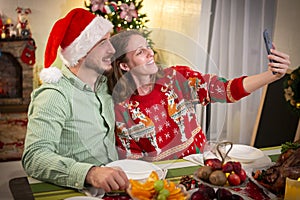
x: 137, y: 192
x: 153, y: 177
x: 143, y: 186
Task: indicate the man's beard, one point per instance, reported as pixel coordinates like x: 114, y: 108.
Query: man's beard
x: 107, y: 72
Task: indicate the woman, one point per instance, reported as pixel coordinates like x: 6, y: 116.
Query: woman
x: 154, y: 107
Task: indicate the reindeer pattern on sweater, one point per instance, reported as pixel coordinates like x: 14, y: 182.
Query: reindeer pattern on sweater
x: 163, y: 124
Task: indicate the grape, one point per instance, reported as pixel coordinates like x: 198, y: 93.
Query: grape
x: 158, y: 185
x: 165, y: 192
x: 161, y: 197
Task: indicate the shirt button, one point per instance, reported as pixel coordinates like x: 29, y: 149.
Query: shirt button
x: 76, y: 184
x: 103, y: 79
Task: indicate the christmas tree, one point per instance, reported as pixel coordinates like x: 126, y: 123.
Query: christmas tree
x: 124, y: 14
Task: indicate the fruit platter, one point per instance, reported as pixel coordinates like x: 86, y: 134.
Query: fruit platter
x: 204, y: 185
x: 155, y: 189
x: 216, y: 174
x: 222, y: 178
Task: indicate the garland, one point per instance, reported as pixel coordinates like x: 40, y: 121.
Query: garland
x: 292, y: 91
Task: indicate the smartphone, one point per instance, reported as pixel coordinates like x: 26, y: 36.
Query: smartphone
x: 268, y: 43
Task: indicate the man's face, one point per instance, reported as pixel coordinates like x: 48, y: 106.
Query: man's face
x: 99, y: 58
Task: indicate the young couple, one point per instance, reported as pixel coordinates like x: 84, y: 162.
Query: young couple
x: 72, y: 128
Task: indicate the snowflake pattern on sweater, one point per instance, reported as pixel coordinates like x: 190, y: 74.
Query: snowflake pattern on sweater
x: 162, y: 124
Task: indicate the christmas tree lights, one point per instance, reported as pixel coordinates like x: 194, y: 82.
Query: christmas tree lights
x: 124, y: 14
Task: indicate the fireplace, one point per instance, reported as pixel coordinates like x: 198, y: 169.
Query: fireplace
x: 16, y: 77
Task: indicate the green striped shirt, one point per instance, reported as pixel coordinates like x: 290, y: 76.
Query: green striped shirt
x: 70, y: 129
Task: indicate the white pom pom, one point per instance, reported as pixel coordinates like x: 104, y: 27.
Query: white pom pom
x: 50, y: 75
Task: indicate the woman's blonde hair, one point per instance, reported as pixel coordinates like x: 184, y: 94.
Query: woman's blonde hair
x: 121, y: 83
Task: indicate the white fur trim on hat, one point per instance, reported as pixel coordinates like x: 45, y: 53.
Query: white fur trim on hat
x: 50, y: 75
x: 87, y: 39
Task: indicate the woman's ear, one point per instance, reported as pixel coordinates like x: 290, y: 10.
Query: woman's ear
x: 124, y: 67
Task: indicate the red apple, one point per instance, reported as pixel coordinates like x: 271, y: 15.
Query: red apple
x: 243, y: 175
x: 234, y: 179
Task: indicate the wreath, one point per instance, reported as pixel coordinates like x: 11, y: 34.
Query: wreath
x: 292, y: 91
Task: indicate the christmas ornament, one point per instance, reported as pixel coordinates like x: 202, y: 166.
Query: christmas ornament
x: 128, y: 12
x: 110, y: 8
x: 28, y: 54
x: 97, y: 5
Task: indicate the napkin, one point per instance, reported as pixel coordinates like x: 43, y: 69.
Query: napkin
x: 195, y: 158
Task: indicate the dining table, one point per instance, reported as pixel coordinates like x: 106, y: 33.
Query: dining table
x: 27, y: 188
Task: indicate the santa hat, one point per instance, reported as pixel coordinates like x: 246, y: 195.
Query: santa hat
x: 76, y: 34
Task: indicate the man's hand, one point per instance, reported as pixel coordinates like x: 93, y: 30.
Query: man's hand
x: 107, y: 178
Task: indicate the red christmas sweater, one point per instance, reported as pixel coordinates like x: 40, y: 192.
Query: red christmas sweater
x: 162, y: 124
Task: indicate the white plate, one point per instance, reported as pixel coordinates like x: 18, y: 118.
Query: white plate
x: 244, y: 153
x: 137, y: 169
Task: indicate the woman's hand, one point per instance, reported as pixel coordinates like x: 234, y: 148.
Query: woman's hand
x: 278, y: 67
x: 281, y: 62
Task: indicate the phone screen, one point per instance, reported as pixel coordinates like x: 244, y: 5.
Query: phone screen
x: 268, y: 43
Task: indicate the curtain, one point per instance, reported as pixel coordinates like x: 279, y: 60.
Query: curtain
x: 176, y: 29
x: 237, y: 48
x: 223, y: 37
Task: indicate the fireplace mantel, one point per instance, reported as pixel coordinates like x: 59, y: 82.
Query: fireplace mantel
x: 10, y: 57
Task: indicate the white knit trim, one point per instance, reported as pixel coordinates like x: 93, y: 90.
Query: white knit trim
x: 50, y: 75
x: 87, y: 39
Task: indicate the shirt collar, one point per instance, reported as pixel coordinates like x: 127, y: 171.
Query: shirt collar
x: 74, y: 79
x: 79, y: 83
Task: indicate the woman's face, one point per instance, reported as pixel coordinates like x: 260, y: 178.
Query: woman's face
x: 140, y: 57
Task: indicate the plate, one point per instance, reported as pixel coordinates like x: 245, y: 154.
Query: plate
x: 260, y: 163
x: 263, y: 188
x: 137, y: 169
x: 244, y: 153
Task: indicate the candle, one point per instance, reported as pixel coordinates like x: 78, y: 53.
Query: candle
x: 3, y: 35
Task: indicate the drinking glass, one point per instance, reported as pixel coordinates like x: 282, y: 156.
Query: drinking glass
x: 215, y: 149
x: 210, y: 150
x: 292, y: 189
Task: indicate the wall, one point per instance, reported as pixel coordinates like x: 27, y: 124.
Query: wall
x: 287, y: 29
x: 44, y: 14
x: 42, y: 18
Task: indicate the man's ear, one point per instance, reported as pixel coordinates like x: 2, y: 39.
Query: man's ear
x: 124, y: 67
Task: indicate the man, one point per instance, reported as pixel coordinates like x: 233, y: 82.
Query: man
x: 70, y: 133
